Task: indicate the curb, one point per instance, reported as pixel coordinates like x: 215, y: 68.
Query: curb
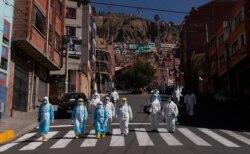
x: 6, y: 136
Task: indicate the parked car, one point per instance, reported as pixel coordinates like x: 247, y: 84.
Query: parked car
x: 68, y: 102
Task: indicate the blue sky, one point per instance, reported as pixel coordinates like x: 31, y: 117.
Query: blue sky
x: 175, y: 5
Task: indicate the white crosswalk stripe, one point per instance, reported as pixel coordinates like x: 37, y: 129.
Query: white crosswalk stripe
x: 38, y: 142
x: 168, y: 138
x: 62, y: 143
x: 142, y: 137
x: 192, y: 137
x: 218, y: 138
x: 90, y: 141
x: 237, y: 136
x: 21, y: 139
x: 117, y: 139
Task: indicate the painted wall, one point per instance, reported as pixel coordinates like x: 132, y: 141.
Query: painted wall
x: 6, y: 20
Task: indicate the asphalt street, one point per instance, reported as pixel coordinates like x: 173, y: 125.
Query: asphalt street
x: 210, y: 131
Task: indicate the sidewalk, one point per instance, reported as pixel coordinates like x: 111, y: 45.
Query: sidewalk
x: 14, y: 127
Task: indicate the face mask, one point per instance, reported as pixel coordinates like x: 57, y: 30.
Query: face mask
x: 45, y: 101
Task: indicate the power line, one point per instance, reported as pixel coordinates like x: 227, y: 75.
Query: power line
x: 139, y: 7
x: 163, y: 10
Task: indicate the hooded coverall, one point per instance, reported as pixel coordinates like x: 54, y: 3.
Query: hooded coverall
x: 100, y: 119
x: 124, y: 114
x: 109, y: 106
x: 45, y: 115
x: 79, y: 117
x: 170, y: 111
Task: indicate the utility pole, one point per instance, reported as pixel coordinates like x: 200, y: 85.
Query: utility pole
x: 66, y: 61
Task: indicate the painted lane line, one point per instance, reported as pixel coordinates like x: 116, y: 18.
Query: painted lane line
x: 193, y: 137
x: 21, y: 139
x: 33, y: 145
x: 62, y: 143
x: 168, y: 138
x: 90, y: 141
x: 142, y: 137
x: 237, y: 136
x: 218, y: 138
x: 117, y: 139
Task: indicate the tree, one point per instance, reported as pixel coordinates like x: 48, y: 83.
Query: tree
x: 157, y: 18
x: 139, y: 75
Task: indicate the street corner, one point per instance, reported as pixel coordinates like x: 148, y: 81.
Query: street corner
x: 6, y: 136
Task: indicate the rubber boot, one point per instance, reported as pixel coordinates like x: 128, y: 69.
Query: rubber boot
x: 98, y: 136
x: 102, y: 135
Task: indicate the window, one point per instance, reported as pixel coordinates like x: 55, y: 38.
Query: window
x: 59, y: 7
x: 57, y: 42
x: 4, y: 63
x: 221, y: 39
x: 39, y: 21
x: 222, y: 59
x: 242, y: 40
x: 235, y: 47
x: 71, y: 13
x: 72, y: 31
x: 50, y: 33
x: 238, y: 18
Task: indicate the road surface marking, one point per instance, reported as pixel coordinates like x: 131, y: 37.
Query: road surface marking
x: 237, y: 136
x: 218, y: 138
x: 62, y: 143
x: 142, y: 137
x: 168, y: 138
x: 33, y: 145
x: 194, y: 138
x: 90, y: 141
x: 248, y: 133
x: 21, y: 139
x: 117, y: 139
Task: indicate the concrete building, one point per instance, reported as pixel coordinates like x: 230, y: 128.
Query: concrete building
x: 6, y: 20
x: 38, y: 28
x: 77, y: 73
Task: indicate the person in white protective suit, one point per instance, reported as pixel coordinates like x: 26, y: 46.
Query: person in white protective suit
x: 79, y: 118
x: 109, y: 106
x: 45, y: 116
x: 114, y: 96
x: 176, y: 95
x: 155, y: 107
x: 124, y: 114
x: 94, y: 100
x: 170, y: 112
x: 190, y: 101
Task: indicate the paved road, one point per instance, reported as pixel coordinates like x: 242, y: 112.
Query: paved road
x: 190, y: 137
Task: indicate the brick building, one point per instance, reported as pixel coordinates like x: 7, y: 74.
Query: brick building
x: 233, y: 43
x: 197, y: 37
x: 37, y: 45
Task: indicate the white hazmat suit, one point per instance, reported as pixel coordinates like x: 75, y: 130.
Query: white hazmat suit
x: 109, y: 106
x: 124, y: 114
x: 155, y: 113
x: 170, y: 112
x: 190, y: 101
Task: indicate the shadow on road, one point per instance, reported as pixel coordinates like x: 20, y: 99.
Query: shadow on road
x: 218, y: 116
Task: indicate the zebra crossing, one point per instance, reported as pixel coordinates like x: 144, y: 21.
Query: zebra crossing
x: 142, y: 136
